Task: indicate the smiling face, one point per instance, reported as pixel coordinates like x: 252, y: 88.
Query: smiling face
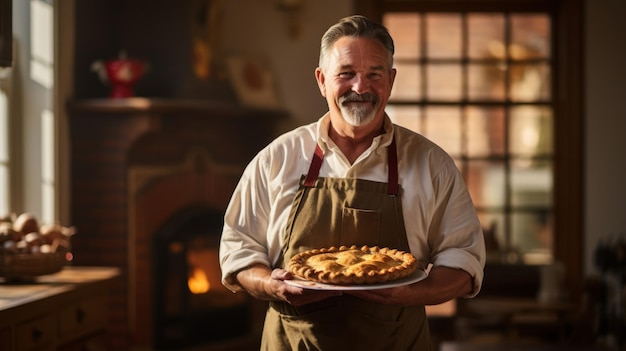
x: 356, y: 80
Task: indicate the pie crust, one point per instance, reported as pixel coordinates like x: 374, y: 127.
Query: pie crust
x: 352, y: 265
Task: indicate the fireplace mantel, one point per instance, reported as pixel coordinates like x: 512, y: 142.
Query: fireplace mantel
x: 118, y: 148
x: 238, y: 129
x: 166, y: 105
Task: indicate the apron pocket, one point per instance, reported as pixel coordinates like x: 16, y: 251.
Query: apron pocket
x: 360, y: 227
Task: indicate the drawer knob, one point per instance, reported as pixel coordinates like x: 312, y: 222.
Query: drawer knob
x: 36, y: 334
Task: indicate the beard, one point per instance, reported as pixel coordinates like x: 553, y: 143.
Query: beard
x: 357, y: 114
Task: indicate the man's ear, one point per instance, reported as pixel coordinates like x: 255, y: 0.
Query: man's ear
x: 321, y: 80
x: 393, y: 78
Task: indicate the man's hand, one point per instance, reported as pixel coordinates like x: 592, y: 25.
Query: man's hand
x: 265, y: 284
x: 441, y: 285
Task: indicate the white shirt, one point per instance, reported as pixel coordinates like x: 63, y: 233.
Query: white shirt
x: 441, y: 223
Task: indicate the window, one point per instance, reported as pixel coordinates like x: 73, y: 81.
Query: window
x: 479, y: 85
x: 29, y: 147
x: 564, y: 102
x: 41, y: 72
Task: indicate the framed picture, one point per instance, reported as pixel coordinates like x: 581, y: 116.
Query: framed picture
x: 252, y: 81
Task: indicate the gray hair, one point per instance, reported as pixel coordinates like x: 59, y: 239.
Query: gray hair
x: 359, y: 27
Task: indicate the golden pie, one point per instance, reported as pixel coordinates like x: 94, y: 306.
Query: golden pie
x: 352, y: 265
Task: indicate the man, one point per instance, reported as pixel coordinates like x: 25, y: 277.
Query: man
x: 394, y: 187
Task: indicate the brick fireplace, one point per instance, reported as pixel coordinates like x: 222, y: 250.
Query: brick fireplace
x: 150, y: 180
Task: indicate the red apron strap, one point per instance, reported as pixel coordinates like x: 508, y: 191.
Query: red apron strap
x: 314, y: 169
x: 392, y: 164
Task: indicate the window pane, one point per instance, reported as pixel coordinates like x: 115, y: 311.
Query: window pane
x: 42, y: 35
x: 485, y: 131
x: 405, y: 31
x: 530, y: 36
x: 485, y: 32
x: 530, y: 131
x: 42, y: 43
x: 531, y: 183
x: 485, y: 181
x: 407, y: 116
x: 494, y: 228
x: 443, y: 35
x: 486, y: 81
x: 532, y: 236
x: 48, y: 214
x: 444, y: 82
x: 47, y: 146
x: 47, y: 166
x: 530, y: 82
x: 407, y: 84
x: 443, y: 126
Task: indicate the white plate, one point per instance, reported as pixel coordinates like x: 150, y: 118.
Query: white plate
x: 415, y: 277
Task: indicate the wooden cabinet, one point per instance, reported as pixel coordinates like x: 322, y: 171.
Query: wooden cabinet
x: 82, y: 318
x: 36, y: 334
x: 63, y: 311
x: 6, y: 340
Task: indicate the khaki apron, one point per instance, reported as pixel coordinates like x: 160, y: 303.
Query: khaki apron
x: 328, y: 211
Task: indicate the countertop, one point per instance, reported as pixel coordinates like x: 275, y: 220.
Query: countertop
x: 47, y: 288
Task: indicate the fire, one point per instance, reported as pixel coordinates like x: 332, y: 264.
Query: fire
x: 198, y: 282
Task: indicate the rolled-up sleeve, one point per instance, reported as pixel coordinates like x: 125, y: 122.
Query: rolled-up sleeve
x: 456, y: 236
x: 442, y: 225
x: 260, y: 206
x: 244, y: 240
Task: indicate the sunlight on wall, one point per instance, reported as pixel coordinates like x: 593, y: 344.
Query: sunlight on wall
x: 42, y: 43
x: 47, y: 167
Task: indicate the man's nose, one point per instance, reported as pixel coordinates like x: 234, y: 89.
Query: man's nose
x: 360, y: 84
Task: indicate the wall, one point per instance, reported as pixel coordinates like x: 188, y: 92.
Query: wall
x: 250, y: 27
x: 292, y: 60
x: 605, y: 123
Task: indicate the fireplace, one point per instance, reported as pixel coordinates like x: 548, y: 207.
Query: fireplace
x: 151, y: 180
x: 175, y: 220
x: 190, y: 305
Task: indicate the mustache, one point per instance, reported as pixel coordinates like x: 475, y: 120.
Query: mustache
x: 351, y: 96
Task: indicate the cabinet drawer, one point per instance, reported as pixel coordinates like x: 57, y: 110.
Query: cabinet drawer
x: 36, y: 334
x: 82, y: 318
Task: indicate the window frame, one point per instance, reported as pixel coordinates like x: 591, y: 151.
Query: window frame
x: 567, y: 92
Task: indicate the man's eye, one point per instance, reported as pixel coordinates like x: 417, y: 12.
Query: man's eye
x: 346, y: 75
